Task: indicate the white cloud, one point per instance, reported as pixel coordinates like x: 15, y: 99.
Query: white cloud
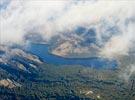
x: 51, y: 17
x: 21, y: 16
x: 120, y: 44
x: 128, y: 72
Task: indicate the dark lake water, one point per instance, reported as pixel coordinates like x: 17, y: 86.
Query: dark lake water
x: 41, y: 50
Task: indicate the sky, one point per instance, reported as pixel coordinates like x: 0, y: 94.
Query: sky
x: 53, y: 17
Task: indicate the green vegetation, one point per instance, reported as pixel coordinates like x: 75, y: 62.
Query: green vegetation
x: 53, y: 82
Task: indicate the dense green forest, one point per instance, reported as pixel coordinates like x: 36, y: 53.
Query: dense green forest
x: 55, y: 82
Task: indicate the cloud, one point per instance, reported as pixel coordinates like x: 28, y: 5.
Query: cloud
x: 128, y: 72
x: 120, y: 44
x: 21, y: 17
x: 51, y: 17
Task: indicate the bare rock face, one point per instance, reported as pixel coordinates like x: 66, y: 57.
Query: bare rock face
x: 77, y: 43
x: 9, y: 83
x: 18, y: 58
x: 69, y: 48
x: 63, y: 49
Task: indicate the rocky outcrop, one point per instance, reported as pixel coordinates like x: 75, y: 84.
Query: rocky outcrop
x: 9, y: 83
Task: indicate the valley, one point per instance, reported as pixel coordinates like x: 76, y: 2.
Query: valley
x: 67, y: 49
x: 36, y: 79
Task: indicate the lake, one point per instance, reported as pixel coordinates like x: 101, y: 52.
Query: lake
x: 42, y: 51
